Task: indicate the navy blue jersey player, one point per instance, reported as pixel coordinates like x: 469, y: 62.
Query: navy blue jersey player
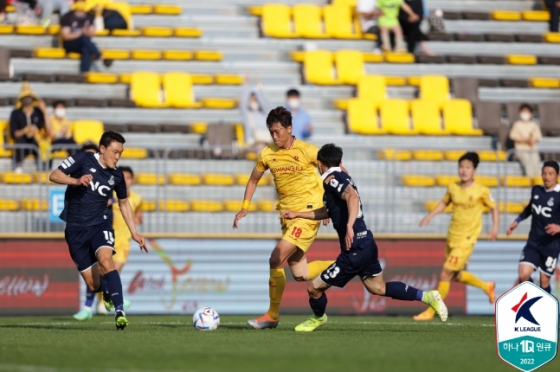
x: 543, y: 246
x: 91, y: 180
x: 358, y: 256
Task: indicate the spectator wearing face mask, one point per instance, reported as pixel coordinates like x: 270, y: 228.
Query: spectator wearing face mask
x: 254, y: 107
x: 525, y: 133
x: 301, y: 122
x: 61, y: 128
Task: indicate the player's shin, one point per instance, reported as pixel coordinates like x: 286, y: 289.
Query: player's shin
x: 318, y: 305
x: 114, y: 287
x: 276, y: 285
x: 401, y: 291
x: 472, y: 280
x: 90, y: 297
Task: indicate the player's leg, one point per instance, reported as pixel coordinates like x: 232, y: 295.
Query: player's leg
x: 318, y: 303
x: 105, y: 258
x: 302, y: 270
x: 468, y: 278
x: 545, y: 282
x: 122, y: 250
x: 530, y: 260
x: 549, y: 258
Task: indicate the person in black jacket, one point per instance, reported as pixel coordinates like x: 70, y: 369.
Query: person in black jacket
x: 554, y: 9
x: 411, y: 30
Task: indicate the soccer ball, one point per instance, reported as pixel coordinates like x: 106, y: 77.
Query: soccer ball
x: 206, y: 319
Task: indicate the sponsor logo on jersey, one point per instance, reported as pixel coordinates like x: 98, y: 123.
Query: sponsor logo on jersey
x: 550, y: 202
x: 111, y: 181
x: 92, y: 170
x: 536, y: 197
x: 540, y: 210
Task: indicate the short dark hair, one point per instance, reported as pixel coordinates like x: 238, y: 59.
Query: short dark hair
x: 89, y: 146
x: 525, y: 106
x: 292, y: 92
x: 59, y: 102
x: 330, y: 155
x: 108, y: 137
x: 552, y: 164
x: 472, y: 157
x: 125, y: 168
x: 279, y: 115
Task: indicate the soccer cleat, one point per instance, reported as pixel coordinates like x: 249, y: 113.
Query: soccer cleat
x: 126, y: 304
x: 433, y: 298
x: 120, y: 320
x: 263, y: 322
x: 427, y: 314
x: 108, y: 302
x: 492, y: 292
x: 311, y: 324
x: 83, y: 315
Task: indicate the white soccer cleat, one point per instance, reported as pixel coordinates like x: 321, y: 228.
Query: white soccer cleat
x: 433, y: 298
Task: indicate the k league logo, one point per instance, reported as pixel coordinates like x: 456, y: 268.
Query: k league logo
x: 527, y: 327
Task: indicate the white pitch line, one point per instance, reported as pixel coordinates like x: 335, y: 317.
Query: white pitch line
x: 31, y: 368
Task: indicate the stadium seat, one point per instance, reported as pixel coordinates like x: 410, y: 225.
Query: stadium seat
x: 399, y: 81
x: 16, y: 178
x: 218, y: 103
x: 236, y: 205
x: 166, y: 9
x: 149, y: 179
x: 362, y: 117
x: 93, y: 77
x: 148, y: 206
x: 134, y: 153
x: 511, y: 207
x: 276, y: 21
x: 214, y: 179
x: 552, y: 37
x: 542, y: 82
x: 207, y: 206
x: 126, y: 33
x: 34, y: 205
x: 457, y: 118
x: 453, y: 155
x: 505, y: 15
x: 418, y: 180
x: 535, y: 15
x: 187, y: 32
x: 318, y: 68
x: 430, y: 205
x: 30, y: 30
x: 429, y: 155
x: 349, y: 66
x: 491, y: 155
x: 6, y: 29
x: 9, y: 205
x: 241, y: 179
x: 199, y: 127
x: 157, y: 31
x: 394, y: 154
x: 413, y: 80
x: 520, y: 59
x: 488, y: 181
x: 373, y: 57
x: 394, y: 117
x: 115, y: 54
x: 51, y: 53
x: 426, y: 118
x: 228, y: 79
x: 43, y: 177
x: 141, y: 9
x: 446, y: 179
x: 150, y: 55
x: 178, y: 90
x: 515, y: 181
x: 174, y: 205
x: 372, y: 88
x: 145, y: 89
x: 178, y: 55
x: 307, y: 21
x: 434, y: 88
x: 183, y: 179
x: 391, y: 57
x: 87, y: 130
x: 208, y: 55
x: 267, y: 205
x: 339, y: 23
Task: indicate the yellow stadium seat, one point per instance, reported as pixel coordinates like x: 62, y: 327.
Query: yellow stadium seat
x: 339, y: 23
x: 349, y: 66
x: 87, y: 130
x: 242, y: 179
x: 372, y: 88
x: 395, y: 80
x: 537, y: 181
x: 520, y: 59
x: 255, y: 10
x: 413, y: 80
x: 552, y: 37
x: 102, y: 33
x: 208, y: 55
x: 141, y: 9
x: 215, y: 179
x: 6, y: 29
x: 183, y: 179
x: 73, y: 55
x: 236, y: 205
x: 93, y: 77
x: 34, y: 204
x: 373, y: 57
x: 178, y: 90
x: 157, y: 31
x: 145, y: 90
x: 399, y: 57
x: 426, y: 118
x: 16, y: 178
x: 52, y: 53
x: 431, y: 155
x: 199, y: 127
x: 318, y: 68
x: 125, y: 78
x: 418, y: 180
x: 515, y: 181
x: 511, y: 207
x: 207, y: 206
x: 202, y: 79
x: 187, y: 32
x: 167, y: 9
x: 149, y: 179
x: 457, y: 117
x: 394, y: 154
x: 178, y: 55
x: 148, y: 206
x: 43, y: 177
x: 434, y: 88
x: 218, y: 103
x: 267, y: 205
x: 453, y: 155
x: 126, y: 33
x: 431, y: 204
x: 30, y: 30
x: 505, y: 15
x: 10, y: 9
x: 134, y: 153
x: 53, y: 29
x: 276, y: 21
x: 394, y: 117
x: 9, y: 205
x: 297, y: 56
x: 174, y: 205
x: 146, y: 54
x: 490, y: 155
x: 488, y: 181
x: 535, y: 15
x: 3, y: 136
x: 348, y: 3
x: 362, y: 118
x: 115, y: 54
x: 307, y: 21
x: 542, y: 82
x: 228, y: 79
x: 446, y: 179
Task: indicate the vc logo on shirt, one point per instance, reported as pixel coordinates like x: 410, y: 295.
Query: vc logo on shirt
x: 545, y: 211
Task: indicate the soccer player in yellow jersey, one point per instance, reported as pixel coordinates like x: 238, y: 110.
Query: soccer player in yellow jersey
x: 293, y: 164
x: 469, y: 199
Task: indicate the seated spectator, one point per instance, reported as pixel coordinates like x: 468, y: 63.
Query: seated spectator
x: 27, y: 12
x: 525, y: 134
x: 27, y: 123
x: 301, y: 122
x: 2, y: 10
x: 61, y: 128
x: 411, y: 30
x: 368, y: 14
x: 77, y: 31
x: 49, y: 6
x: 389, y: 21
x: 106, y: 19
x: 254, y: 107
x: 554, y: 9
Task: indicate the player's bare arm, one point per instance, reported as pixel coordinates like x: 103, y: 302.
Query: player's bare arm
x: 437, y: 210
x: 126, y: 211
x: 353, y: 202
x: 316, y: 215
x: 249, y: 192
x: 493, y: 234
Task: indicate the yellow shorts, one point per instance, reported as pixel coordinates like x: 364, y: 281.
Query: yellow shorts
x: 122, y: 249
x: 300, y: 232
x: 457, y: 254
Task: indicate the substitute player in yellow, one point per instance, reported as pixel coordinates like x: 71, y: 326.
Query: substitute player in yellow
x: 469, y: 199
x: 293, y: 164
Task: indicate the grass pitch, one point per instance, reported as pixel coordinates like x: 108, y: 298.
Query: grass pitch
x: 170, y: 344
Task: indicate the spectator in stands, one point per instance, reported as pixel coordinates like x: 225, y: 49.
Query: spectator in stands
x: 49, y: 6
x: 368, y: 14
x: 27, y: 12
x: 106, y: 19
x: 411, y: 30
x: 27, y: 123
x: 61, y: 128
x: 2, y: 10
x: 554, y: 9
x: 389, y: 21
x: 254, y: 108
x: 77, y: 31
x: 525, y: 133
x: 301, y: 122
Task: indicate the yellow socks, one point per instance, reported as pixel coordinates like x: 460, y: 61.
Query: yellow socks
x: 471, y: 279
x: 443, y: 289
x: 276, y: 284
x: 317, y: 267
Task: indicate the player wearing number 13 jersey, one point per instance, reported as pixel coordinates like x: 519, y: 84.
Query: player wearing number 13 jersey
x: 293, y: 164
x: 358, y: 255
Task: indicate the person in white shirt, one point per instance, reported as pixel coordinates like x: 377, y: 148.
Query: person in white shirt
x: 368, y: 19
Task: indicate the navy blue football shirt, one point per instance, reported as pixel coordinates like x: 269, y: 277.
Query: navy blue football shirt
x: 544, y: 208
x: 87, y: 206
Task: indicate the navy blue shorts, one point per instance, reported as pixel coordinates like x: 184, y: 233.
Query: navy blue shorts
x: 543, y: 258
x: 83, y: 243
x: 362, y: 262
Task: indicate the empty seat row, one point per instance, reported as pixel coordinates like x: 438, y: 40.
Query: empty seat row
x: 187, y: 179
x: 503, y: 207
x: 148, y: 31
x: 437, y: 155
x: 548, y: 37
x: 421, y: 180
x: 139, y: 54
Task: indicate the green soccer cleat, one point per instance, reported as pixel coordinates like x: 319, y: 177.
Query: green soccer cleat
x: 120, y: 320
x: 126, y: 304
x: 83, y: 315
x: 433, y: 298
x: 311, y: 324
